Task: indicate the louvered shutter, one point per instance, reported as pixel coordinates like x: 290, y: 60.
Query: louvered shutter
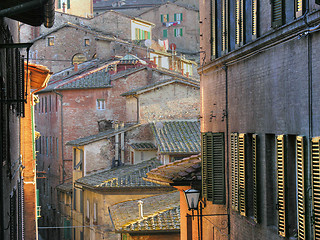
x: 300, y: 153
x: 315, y: 155
x: 213, y: 167
x: 181, y: 17
x: 175, y: 17
x: 167, y: 18
x: 242, y: 174
x: 234, y: 172
x: 213, y: 37
x: 281, y: 185
x: 68, y: 4
x: 299, y: 8
x: 225, y: 30
x: 254, y: 19
x: 161, y: 17
x: 239, y: 23
x: 181, y: 32
x: 254, y: 177
x: 277, y: 10
x: 59, y: 4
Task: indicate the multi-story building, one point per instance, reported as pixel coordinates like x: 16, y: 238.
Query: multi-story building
x: 260, y: 118
x: 18, y: 216
x: 81, y: 8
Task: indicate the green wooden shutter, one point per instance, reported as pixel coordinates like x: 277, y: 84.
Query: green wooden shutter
x: 255, y: 182
x: 281, y: 185
x: 234, y: 171
x: 213, y: 185
x: 165, y: 33
x: 242, y: 174
x: 225, y: 30
x: 181, y: 32
x: 213, y: 37
x: 59, y: 4
x: 161, y: 17
x: 181, y: 17
x: 68, y: 4
x: 315, y: 156
x: 301, y: 155
x: 299, y: 8
x: 143, y: 35
x: 168, y: 18
x: 149, y: 35
x: 254, y: 19
x: 175, y: 17
x: 277, y: 13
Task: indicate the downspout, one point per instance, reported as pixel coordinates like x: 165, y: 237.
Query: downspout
x: 62, y: 151
x: 226, y: 118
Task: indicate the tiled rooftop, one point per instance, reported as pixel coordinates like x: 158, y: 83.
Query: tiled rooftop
x: 143, y: 146
x: 121, y: 177
x: 65, y: 187
x: 185, y: 170
x: 177, y: 136
x: 161, y: 213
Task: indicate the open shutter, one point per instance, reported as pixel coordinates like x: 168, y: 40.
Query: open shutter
x: 300, y: 153
x: 239, y: 23
x: 234, y: 172
x: 242, y: 174
x: 281, y: 185
x: 225, y: 30
x: 213, y: 167
x: 213, y: 37
x: 277, y: 10
x: 254, y: 19
x: 161, y: 17
x: 59, y: 4
x: 175, y: 17
x: 68, y: 4
x: 181, y: 32
x: 167, y: 18
x: 315, y: 155
x: 181, y: 17
x: 254, y: 171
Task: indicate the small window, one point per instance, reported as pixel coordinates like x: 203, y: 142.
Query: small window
x: 95, y: 215
x: 88, y: 210
x: 178, y: 17
x: 50, y: 41
x: 164, y: 17
x: 178, y: 32
x: 86, y: 42
x: 100, y: 104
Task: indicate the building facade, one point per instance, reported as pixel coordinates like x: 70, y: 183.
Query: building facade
x: 259, y: 117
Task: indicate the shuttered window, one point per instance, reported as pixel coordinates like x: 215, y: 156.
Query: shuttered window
x: 225, y: 26
x: 277, y: 13
x: 234, y: 172
x: 254, y: 176
x: 299, y: 8
x: 254, y: 19
x: 281, y: 185
x: 315, y: 155
x: 242, y: 174
x: 213, y: 37
x: 213, y: 183
x: 301, y: 155
x: 239, y: 23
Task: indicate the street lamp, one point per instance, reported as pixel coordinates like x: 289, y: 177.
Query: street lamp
x: 192, y: 197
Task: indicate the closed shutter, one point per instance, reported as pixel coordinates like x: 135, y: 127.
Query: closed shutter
x: 181, y: 18
x: 213, y: 167
x: 225, y: 30
x: 234, y: 172
x: 315, y: 155
x: 167, y: 20
x: 254, y: 19
x: 300, y: 153
x: 281, y: 185
x: 68, y: 4
x: 175, y: 17
x: 277, y: 13
x: 299, y: 8
x: 161, y: 17
x: 59, y: 4
x: 181, y: 32
x: 239, y: 23
x: 242, y: 174
x: 213, y: 37
x: 149, y: 35
x: 254, y: 171
x: 165, y: 33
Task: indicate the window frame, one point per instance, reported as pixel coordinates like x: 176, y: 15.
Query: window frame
x: 50, y: 41
x: 101, y: 104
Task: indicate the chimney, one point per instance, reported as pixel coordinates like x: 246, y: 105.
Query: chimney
x: 140, y: 204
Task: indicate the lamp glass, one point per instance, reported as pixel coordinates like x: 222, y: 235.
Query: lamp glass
x: 192, y: 197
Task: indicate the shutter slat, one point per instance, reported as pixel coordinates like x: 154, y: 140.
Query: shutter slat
x: 277, y: 13
x: 255, y: 182
x: 281, y: 185
x: 254, y: 19
x: 234, y: 172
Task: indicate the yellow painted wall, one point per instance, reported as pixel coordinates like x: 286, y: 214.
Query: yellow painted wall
x: 83, y: 8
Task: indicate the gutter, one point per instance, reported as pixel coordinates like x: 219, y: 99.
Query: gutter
x: 48, y: 10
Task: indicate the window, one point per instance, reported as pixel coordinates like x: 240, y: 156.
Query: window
x: 277, y: 13
x: 57, y: 145
x: 49, y: 103
x: 234, y: 171
x: 86, y: 42
x: 254, y: 19
x: 50, y: 41
x: 178, y: 17
x: 81, y: 201
x: 100, y: 104
x: 164, y: 18
x: 225, y: 24
x: 46, y: 105
x: 59, y: 4
x: 75, y: 199
x: 177, y: 32
x: 299, y: 8
x: 95, y: 213
x: 68, y: 4
x: 165, y: 33
x: 213, y: 185
x: 239, y: 21
x: 213, y: 38
x: 47, y: 146
x: 88, y: 210
x: 74, y: 157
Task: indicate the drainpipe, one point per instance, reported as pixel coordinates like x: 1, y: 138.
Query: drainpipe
x: 62, y: 152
